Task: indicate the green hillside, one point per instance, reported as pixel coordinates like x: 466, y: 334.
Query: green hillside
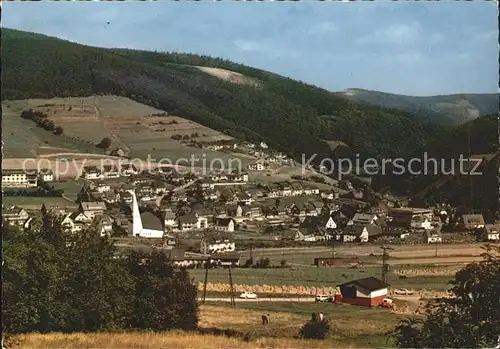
x: 446, y: 109
x: 481, y: 135
x: 289, y: 115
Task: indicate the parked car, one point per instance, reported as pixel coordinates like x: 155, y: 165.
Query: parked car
x: 323, y: 298
x: 248, y: 295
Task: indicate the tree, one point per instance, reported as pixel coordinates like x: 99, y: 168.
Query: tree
x: 315, y: 329
x: 105, y: 143
x: 470, y: 319
x: 58, y: 130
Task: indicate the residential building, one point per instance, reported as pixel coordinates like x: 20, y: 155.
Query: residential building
x: 15, y: 216
x: 224, y: 224
x: 433, y: 236
x: 110, y: 171
x: 92, y: 172
x: 256, y: 166
x: 91, y: 209
x: 191, y: 221
x: 46, y: 175
x: 169, y: 219
x: 473, y: 221
x: 492, y: 232
x: 364, y: 218
x: 18, y: 178
x: 217, y: 242
x: 104, y: 225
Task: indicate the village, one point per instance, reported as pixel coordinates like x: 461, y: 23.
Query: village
x: 194, y: 218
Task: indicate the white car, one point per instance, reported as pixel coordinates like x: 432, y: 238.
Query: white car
x: 323, y: 298
x: 248, y: 295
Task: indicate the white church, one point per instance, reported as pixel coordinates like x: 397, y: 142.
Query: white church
x: 145, y: 225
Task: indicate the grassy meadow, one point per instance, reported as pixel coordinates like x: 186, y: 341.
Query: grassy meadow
x: 352, y: 327
x: 129, y: 124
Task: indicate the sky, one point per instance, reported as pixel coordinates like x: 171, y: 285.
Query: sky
x: 413, y: 48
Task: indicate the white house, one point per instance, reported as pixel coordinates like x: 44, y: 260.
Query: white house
x: 191, y: 221
x: 110, y: 171
x: 102, y: 187
x: 104, y: 225
x: 492, y: 232
x: 169, y: 219
x: 46, y: 175
x: 92, y: 172
x: 433, y: 236
x: 263, y: 145
x: 421, y: 223
x: 15, y: 216
x: 257, y: 166
x: 224, y: 224
x: 330, y: 224
x: 355, y: 233
x: 92, y: 209
x: 217, y: 243
x: 18, y: 178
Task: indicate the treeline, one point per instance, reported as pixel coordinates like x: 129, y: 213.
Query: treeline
x: 41, y: 120
x: 54, y: 281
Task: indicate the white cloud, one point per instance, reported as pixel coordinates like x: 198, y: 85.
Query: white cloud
x: 394, y: 34
x: 272, y: 51
x: 323, y: 28
x: 246, y: 45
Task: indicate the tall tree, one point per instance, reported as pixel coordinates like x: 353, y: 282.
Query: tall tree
x: 470, y: 319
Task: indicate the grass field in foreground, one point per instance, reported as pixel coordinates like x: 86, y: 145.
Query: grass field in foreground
x: 352, y: 327
x: 317, y: 277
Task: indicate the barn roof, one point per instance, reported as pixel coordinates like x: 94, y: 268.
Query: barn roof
x: 370, y: 283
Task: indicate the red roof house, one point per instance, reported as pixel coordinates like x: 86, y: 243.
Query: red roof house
x: 368, y: 291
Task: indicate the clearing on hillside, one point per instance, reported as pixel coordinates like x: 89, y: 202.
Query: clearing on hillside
x: 229, y: 76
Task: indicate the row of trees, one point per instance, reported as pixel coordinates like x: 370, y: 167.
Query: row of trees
x: 53, y: 281
x: 41, y: 120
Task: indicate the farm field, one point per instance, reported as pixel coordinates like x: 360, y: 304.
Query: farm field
x: 34, y: 203
x: 130, y: 125
x: 400, y: 255
x: 71, y: 188
x: 310, y: 280
x: 352, y: 327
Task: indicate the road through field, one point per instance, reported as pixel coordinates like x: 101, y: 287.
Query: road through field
x: 289, y: 299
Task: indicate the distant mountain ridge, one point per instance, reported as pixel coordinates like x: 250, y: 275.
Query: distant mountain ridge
x: 447, y: 110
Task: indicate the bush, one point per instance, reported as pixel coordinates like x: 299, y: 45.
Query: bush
x: 315, y: 329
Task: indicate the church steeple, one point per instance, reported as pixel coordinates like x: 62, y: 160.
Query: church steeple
x: 136, y: 216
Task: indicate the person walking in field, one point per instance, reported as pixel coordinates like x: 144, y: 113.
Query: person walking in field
x: 321, y: 317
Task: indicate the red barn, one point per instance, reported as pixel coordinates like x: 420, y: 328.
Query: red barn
x: 368, y: 292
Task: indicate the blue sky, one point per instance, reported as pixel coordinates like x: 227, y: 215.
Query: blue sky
x: 415, y: 48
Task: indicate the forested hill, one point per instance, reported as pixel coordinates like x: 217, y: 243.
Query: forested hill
x: 291, y: 116
x: 445, y: 109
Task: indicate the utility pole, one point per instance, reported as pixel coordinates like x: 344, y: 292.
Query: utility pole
x: 436, y: 249
x: 385, y: 257
x: 233, y: 302
x: 470, y: 177
x: 206, y: 279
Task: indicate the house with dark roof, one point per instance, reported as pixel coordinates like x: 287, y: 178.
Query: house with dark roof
x: 217, y: 242
x: 368, y: 291
x: 473, y: 221
x: 224, y: 224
